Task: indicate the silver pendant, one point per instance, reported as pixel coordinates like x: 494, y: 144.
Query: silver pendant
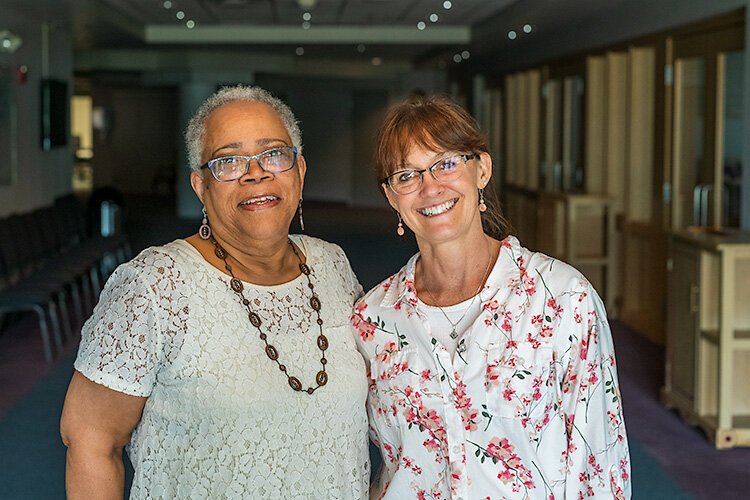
x: 454, y: 334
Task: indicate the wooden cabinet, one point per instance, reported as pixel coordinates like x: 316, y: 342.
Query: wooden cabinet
x: 708, y: 334
x: 575, y: 228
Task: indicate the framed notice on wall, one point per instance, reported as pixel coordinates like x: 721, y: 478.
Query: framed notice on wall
x: 8, y: 132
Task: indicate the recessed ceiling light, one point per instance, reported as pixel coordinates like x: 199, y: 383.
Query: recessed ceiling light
x: 527, y: 28
x: 421, y: 25
x: 190, y: 24
x: 167, y: 4
x: 361, y: 48
x: 376, y: 61
x: 180, y: 15
x: 447, y: 5
x: 457, y: 58
x: 306, y: 16
x: 299, y: 51
x: 465, y: 54
x: 306, y: 25
x: 512, y: 35
x: 434, y: 18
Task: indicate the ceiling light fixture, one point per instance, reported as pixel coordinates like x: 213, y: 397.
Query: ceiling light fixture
x: 527, y: 28
x: 421, y: 25
x: 465, y: 54
x: 512, y: 34
x: 180, y: 15
x: 190, y: 24
x: 457, y: 58
x: 299, y: 51
x: 447, y: 5
x: 434, y: 18
x: 167, y: 4
x: 9, y: 42
x: 306, y: 16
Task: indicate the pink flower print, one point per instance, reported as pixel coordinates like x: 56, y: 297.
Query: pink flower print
x: 624, y: 468
x: 582, y: 296
x: 584, y: 350
x: 491, y: 305
x: 533, y: 341
x: 505, y: 476
x: 431, y: 444
x: 537, y: 319
x: 511, y: 344
x: 546, y: 332
x: 492, y: 375
x: 425, y: 376
x: 506, y: 326
x: 508, y: 394
x: 366, y: 330
x: 385, y: 354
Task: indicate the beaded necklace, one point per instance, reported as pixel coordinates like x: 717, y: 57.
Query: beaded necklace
x: 321, y: 378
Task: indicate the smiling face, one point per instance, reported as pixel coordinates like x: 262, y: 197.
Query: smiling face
x: 447, y: 210
x: 259, y: 205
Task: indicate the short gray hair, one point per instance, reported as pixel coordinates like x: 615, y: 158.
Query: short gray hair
x: 195, y: 133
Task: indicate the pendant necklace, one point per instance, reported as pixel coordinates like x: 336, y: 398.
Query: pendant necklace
x: 321, y: 378
x: 454, y: 332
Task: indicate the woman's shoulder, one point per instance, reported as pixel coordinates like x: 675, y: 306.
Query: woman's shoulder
x: 554, y: 273
x: 159, y: 261
x: 318, y: 249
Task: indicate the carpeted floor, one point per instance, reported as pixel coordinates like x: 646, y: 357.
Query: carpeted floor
x: 669, y: 459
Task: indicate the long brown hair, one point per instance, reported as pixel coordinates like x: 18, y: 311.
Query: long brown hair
x: 436, y: 123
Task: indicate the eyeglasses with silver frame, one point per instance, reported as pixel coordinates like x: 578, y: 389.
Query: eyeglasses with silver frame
x: 409, y: 180
x: 275, y: 160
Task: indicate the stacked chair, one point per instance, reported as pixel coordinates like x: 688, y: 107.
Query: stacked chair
x: 49, y: 262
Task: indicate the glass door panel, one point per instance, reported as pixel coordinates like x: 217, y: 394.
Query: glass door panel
x: 690, y: 186
x: 572, y: 134
x: 730, y: 137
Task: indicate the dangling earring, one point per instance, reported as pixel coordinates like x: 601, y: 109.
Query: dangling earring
x: 400, y: 227
x: 482, y: 206
x: 299, y: 211
x: 205, y: 230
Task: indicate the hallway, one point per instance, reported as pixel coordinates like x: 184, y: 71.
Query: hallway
x: 668, y: 458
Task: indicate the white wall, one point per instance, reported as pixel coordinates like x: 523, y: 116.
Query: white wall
x: 40, y: 176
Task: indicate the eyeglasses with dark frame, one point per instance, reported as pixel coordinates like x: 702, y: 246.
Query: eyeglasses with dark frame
x: 409, y: 180
x: 275, y: 160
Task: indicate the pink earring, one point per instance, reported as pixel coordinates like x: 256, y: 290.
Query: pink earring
x: 482, y: 205
x: 400, y: 227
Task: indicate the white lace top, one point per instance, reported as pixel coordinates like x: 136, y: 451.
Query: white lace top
x: 221, y: 420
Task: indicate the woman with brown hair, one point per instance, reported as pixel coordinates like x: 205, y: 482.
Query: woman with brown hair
x: 492, y: 371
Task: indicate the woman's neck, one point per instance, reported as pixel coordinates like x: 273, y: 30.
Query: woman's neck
x: 451, y: 272
x: 260, y: 263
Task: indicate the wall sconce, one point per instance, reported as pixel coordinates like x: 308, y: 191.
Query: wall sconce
x: 9, y: 42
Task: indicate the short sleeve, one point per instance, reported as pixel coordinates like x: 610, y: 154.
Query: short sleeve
x: 126, y: 341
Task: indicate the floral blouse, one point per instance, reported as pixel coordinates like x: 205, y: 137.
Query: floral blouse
x: 530, y: 405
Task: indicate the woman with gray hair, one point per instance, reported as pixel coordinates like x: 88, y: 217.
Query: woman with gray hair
x: 224, y: 361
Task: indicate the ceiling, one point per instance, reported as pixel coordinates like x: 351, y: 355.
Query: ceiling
x: 333, y: 29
